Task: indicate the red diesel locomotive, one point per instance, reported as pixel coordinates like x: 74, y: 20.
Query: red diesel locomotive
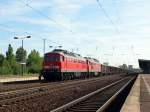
x: 63, y: 65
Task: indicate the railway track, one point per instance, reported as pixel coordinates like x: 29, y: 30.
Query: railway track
x: 18, y: 86
x: 98, y: 100
x: 7, y: 98
x: 15, y: 86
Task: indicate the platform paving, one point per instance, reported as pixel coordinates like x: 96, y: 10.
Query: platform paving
x: 138, y: 99
x: 12, y: 79
x: 132, y: 103
x: 145, y: 93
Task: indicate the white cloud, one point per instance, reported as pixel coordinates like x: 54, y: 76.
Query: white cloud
x: 11, y: 9
x: 66, y: 6
x: 35, y: 21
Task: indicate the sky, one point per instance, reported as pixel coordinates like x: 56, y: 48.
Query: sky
x: 117, y: 32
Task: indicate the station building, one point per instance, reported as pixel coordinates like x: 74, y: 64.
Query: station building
x: 144, y: 65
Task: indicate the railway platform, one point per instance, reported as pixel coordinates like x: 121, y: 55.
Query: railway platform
x: 138, y: 99
x: 14, y: 79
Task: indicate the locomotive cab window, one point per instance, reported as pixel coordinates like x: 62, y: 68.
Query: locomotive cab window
x: 52, y: 58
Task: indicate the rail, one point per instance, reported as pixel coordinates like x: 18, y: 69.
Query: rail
x: 75, y: 102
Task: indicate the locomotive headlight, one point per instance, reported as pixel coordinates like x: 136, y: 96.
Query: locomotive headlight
x: 46, y: 67
x: 56, y: 67
x: 51, y: 67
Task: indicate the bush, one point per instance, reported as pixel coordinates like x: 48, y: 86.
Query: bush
x: 16, y: 69
x: 34, y: 68
x: 34, y: 62
x: 6, y: 68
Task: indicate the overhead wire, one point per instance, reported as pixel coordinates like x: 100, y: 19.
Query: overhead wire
x: 109, y: 18
x: 107, y: 15
x: 7, y: 28
x: 44, y: 15
x: 10, y: 29
x: 54, y: 21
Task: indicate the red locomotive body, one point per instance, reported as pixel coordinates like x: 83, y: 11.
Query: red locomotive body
x: 61, y: 64
x: 94, y: 67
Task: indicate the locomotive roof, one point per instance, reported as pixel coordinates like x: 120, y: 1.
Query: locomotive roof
x: 75, y: 55
x: 92, y: 59
x: 68, y: 53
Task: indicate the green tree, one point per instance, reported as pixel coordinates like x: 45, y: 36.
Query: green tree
x: 34, y: 62
x: 6, y: 68
x: 21, y: 55
x: 1, y: 62
x: 10, y: 66
x: 9, y: 55
x: 1, y: 59
x: 16, y: 68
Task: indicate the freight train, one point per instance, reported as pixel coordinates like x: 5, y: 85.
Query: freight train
x: 64, y: 65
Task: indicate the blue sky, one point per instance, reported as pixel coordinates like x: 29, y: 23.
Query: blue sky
x: 81, y: 26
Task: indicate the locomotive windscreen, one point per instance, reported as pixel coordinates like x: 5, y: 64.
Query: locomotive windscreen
x: 51, y: 58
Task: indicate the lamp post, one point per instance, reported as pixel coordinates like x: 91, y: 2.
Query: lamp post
x: 22, y: 38
x: 55, y: 46
x: 60, y: 46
